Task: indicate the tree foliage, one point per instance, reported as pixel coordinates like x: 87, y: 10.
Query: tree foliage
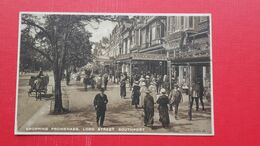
x: 61, y: 40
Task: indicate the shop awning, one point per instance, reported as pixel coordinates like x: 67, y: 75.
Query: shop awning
x: 142, y: 56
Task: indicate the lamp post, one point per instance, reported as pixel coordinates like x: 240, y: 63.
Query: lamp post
x: 189, y: 94
x: 160, y: 67
x: 169, y: 69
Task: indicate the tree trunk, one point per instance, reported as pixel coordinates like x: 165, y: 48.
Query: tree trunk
x: 58, y: 70
x: 58, y: 108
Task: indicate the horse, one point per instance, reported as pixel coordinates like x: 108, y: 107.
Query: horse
x: 38, y: 85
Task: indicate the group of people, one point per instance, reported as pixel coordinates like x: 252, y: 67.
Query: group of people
x: 102, y: 80
x: 145, y: 95
x: 147, y: 99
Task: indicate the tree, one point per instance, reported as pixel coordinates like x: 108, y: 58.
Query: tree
x: 60, y: 39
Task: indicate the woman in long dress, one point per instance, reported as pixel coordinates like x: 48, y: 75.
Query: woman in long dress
x: 135, y: 94
x: 153, y: 90
x: 148, y: 109
x: 143, y: 89
x: 123, y: 88
x: 163, y: 102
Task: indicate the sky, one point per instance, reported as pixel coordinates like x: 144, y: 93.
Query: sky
x: 99, y: 30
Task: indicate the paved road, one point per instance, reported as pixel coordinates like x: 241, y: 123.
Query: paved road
x: 120, y: 113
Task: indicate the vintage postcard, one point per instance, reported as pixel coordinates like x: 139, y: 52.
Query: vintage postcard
x: 114, y: 73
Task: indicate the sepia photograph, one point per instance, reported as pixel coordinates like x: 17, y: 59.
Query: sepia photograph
x: 114, y: 73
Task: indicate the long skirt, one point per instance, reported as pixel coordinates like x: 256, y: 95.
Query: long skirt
x: 164, y: 116
x: 142, y: 98
x: 123, y: 91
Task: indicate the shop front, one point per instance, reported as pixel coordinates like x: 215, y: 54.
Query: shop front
x: 142, y: 63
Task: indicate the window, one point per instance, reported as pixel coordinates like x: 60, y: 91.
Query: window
x: 173, y: 24
x: 137, y: 37
x: 169, y: 24
x: 153, y: 33
x: 182, y: 22
x: 143, y: 37
x: 158, y: 31
x: 191, y: 22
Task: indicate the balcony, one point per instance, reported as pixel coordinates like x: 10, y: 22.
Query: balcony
x: 156, y: 42
x: 193, y: 54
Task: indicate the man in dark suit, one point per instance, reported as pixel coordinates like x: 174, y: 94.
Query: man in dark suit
x: 100, y: 103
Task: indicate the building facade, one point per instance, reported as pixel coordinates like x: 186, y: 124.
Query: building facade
x: 178, y: 46
x: 188, y: 49
x: 142, y: 46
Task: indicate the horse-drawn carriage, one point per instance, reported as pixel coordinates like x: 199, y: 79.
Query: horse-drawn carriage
x: 38, y: 86
x: 89, y: 80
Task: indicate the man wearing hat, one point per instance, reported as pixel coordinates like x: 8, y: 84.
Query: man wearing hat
x: 148, y: 109
x: 175, y: 99
x: 100, y: 103
x: 195, y: 93
x: 163, y: 102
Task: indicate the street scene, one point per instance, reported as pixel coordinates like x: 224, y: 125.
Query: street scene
x: 114, y: 74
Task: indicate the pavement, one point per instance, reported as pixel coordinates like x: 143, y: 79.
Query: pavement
x: 121, y: 116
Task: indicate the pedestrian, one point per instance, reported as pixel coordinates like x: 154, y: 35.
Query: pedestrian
x: 153, y: 90
x: 123, y: 88
x: 68, y: 75
x: 131, y: 81
x: 148, y: 109
x: 105, y: 76
x: 40, y: 74
x: 157, y: 81
x: 117, y: 76
x: 163, y: 102
x: 110, y: 75
x: 136, y: 94
x: 99, y: 81
x: 175, y: 99
x: 143, y: 88
x: 147, y: 81
x: 201, y: 94
x: 100, y: 103
x: 142, y: 79
x: 195, y: 91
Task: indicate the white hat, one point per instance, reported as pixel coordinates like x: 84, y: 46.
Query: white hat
x: 143, y: 84
x: 163, y: 91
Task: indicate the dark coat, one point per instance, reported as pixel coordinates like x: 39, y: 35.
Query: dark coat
x: 175, y: 97
x: 100, y: 102
x: 163, y: 102
x: 123, y: 88
x: 148, y: 103
x: 136, y: 95
x: 148, y: 109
